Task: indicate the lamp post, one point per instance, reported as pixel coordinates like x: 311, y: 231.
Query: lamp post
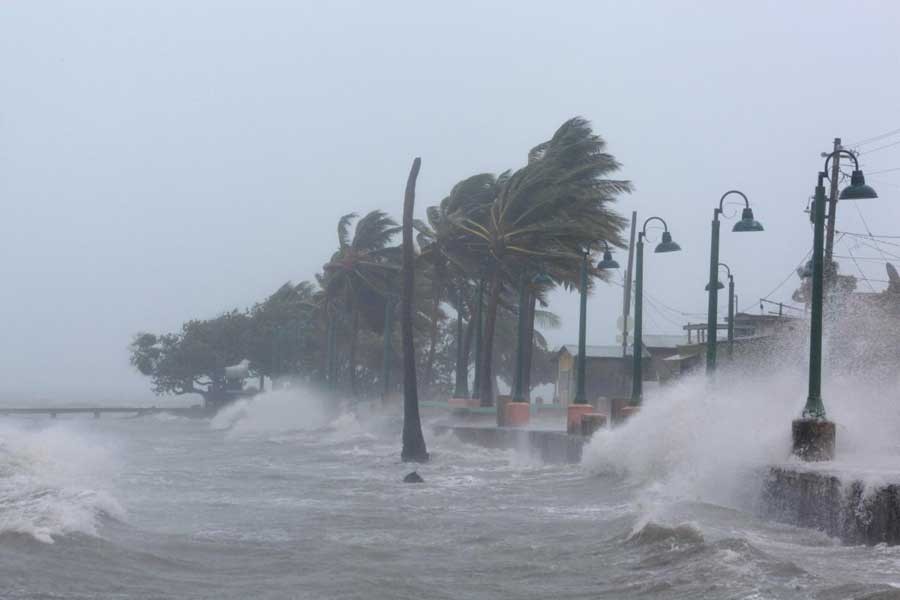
x: 747, y: 223
x: 813, y: 435
x: 731, y: 303
x: 581, y: 362
x: 666, y: 245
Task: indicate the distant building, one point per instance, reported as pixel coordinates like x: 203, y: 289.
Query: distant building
x: 607, y: 372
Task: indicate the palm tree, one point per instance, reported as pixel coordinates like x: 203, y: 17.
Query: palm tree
x: 357, y: 276
x: 413, y: 441
x: 544, y: 214
x: 439, y: 243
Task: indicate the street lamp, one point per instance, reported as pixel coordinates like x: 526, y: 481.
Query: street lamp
x: 813, y: 435
x: 719, y: 286
x: 666, y: 245
x: 746, y: 224
x: 581, y: 365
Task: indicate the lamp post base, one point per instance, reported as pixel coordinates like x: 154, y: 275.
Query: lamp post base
x: 813, y: 439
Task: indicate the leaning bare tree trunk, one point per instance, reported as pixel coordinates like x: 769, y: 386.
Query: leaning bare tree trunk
x: 486, y: 387
x: 529, y: 347
x: 413, y: 441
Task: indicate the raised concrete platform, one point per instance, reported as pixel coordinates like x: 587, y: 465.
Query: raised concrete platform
x: 550, y: 446
x: 858, y: 508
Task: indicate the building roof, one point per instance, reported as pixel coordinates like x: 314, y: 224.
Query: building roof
x: 598, y: 351
x: 664, y: 340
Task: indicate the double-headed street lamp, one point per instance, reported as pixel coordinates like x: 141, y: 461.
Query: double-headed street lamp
x: 813, y: 435
x: 666, y: 245
x: 747, y: 223
x: 581, y: 365
x: 719, y: 286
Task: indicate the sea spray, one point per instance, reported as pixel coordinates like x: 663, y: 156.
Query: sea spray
x: 712, y: 441
x: 292, y: 409
x: 54, y: 481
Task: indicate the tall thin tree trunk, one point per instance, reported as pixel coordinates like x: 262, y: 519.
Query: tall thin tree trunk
x: 461, y: 389
x: 486, y: 383
x: 413, y: 441
x: 529, y: 345
x: 432, y: 336
x: 354, y: 344
x: 467, y: 346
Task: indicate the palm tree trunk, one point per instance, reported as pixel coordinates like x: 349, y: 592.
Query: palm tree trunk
x: 467, y: 347
x: 486, y: 379
x: 529, y: 346
x: 413, y: 441
x: 461, y: 389
x: 432, y: 337
x: 354, y: 343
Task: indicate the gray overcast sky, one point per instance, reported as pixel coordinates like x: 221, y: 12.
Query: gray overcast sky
x: 167, y: 160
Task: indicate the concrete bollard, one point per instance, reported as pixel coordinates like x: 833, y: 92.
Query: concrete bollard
x: 457, y: 404
x: 517, y: 414
x: 591, y: 422
x: 573, y: 416
x: 627, y: 412
x: 813, y: 439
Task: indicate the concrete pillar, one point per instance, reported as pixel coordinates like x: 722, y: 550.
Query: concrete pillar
x: 813, y: 439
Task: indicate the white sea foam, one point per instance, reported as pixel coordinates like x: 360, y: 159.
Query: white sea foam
x: 53, y: 481
x: 711, y: 442
x: 279, y: 411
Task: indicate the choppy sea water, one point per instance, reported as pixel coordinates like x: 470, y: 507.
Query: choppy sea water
x: 275, y: 499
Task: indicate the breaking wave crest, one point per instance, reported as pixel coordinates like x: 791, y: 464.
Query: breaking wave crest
x: 53, y: 482
x: 287, y: 412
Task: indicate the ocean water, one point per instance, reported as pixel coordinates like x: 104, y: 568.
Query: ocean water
x: 278, y: 498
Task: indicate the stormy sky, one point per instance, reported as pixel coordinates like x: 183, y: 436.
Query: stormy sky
x: 161, y: 161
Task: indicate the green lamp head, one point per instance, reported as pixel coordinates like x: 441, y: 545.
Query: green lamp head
x: 667, y: 245
x: 747, y: 222
x: 858, y: 190
x: 542, y: 279
x: 719, y: 286
x: 608, y: 261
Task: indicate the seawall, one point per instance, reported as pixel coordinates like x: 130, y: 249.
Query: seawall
x: 841, y: 504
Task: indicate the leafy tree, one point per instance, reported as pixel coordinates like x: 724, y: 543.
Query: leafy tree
x: 193, y: 360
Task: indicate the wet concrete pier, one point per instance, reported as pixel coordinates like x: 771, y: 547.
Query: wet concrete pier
x: 857, y: 508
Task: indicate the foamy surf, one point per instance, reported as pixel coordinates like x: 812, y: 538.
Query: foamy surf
x: 53, y: 482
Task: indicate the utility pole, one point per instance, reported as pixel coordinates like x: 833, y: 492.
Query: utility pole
x: 626, y: 297
x: 626, y: 289
x: 832, y: 212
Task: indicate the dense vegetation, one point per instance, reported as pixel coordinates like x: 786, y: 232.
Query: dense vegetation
x: 514, y: 236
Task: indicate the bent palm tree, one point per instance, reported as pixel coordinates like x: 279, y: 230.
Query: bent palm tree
x: 357, y: 276
x: 545, y: 214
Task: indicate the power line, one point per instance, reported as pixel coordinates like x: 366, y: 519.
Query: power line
x: 883, y: 171
x: 859, y: 268
x: 880, y: 136
x: 872, y: 235
x: 892, y: 144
